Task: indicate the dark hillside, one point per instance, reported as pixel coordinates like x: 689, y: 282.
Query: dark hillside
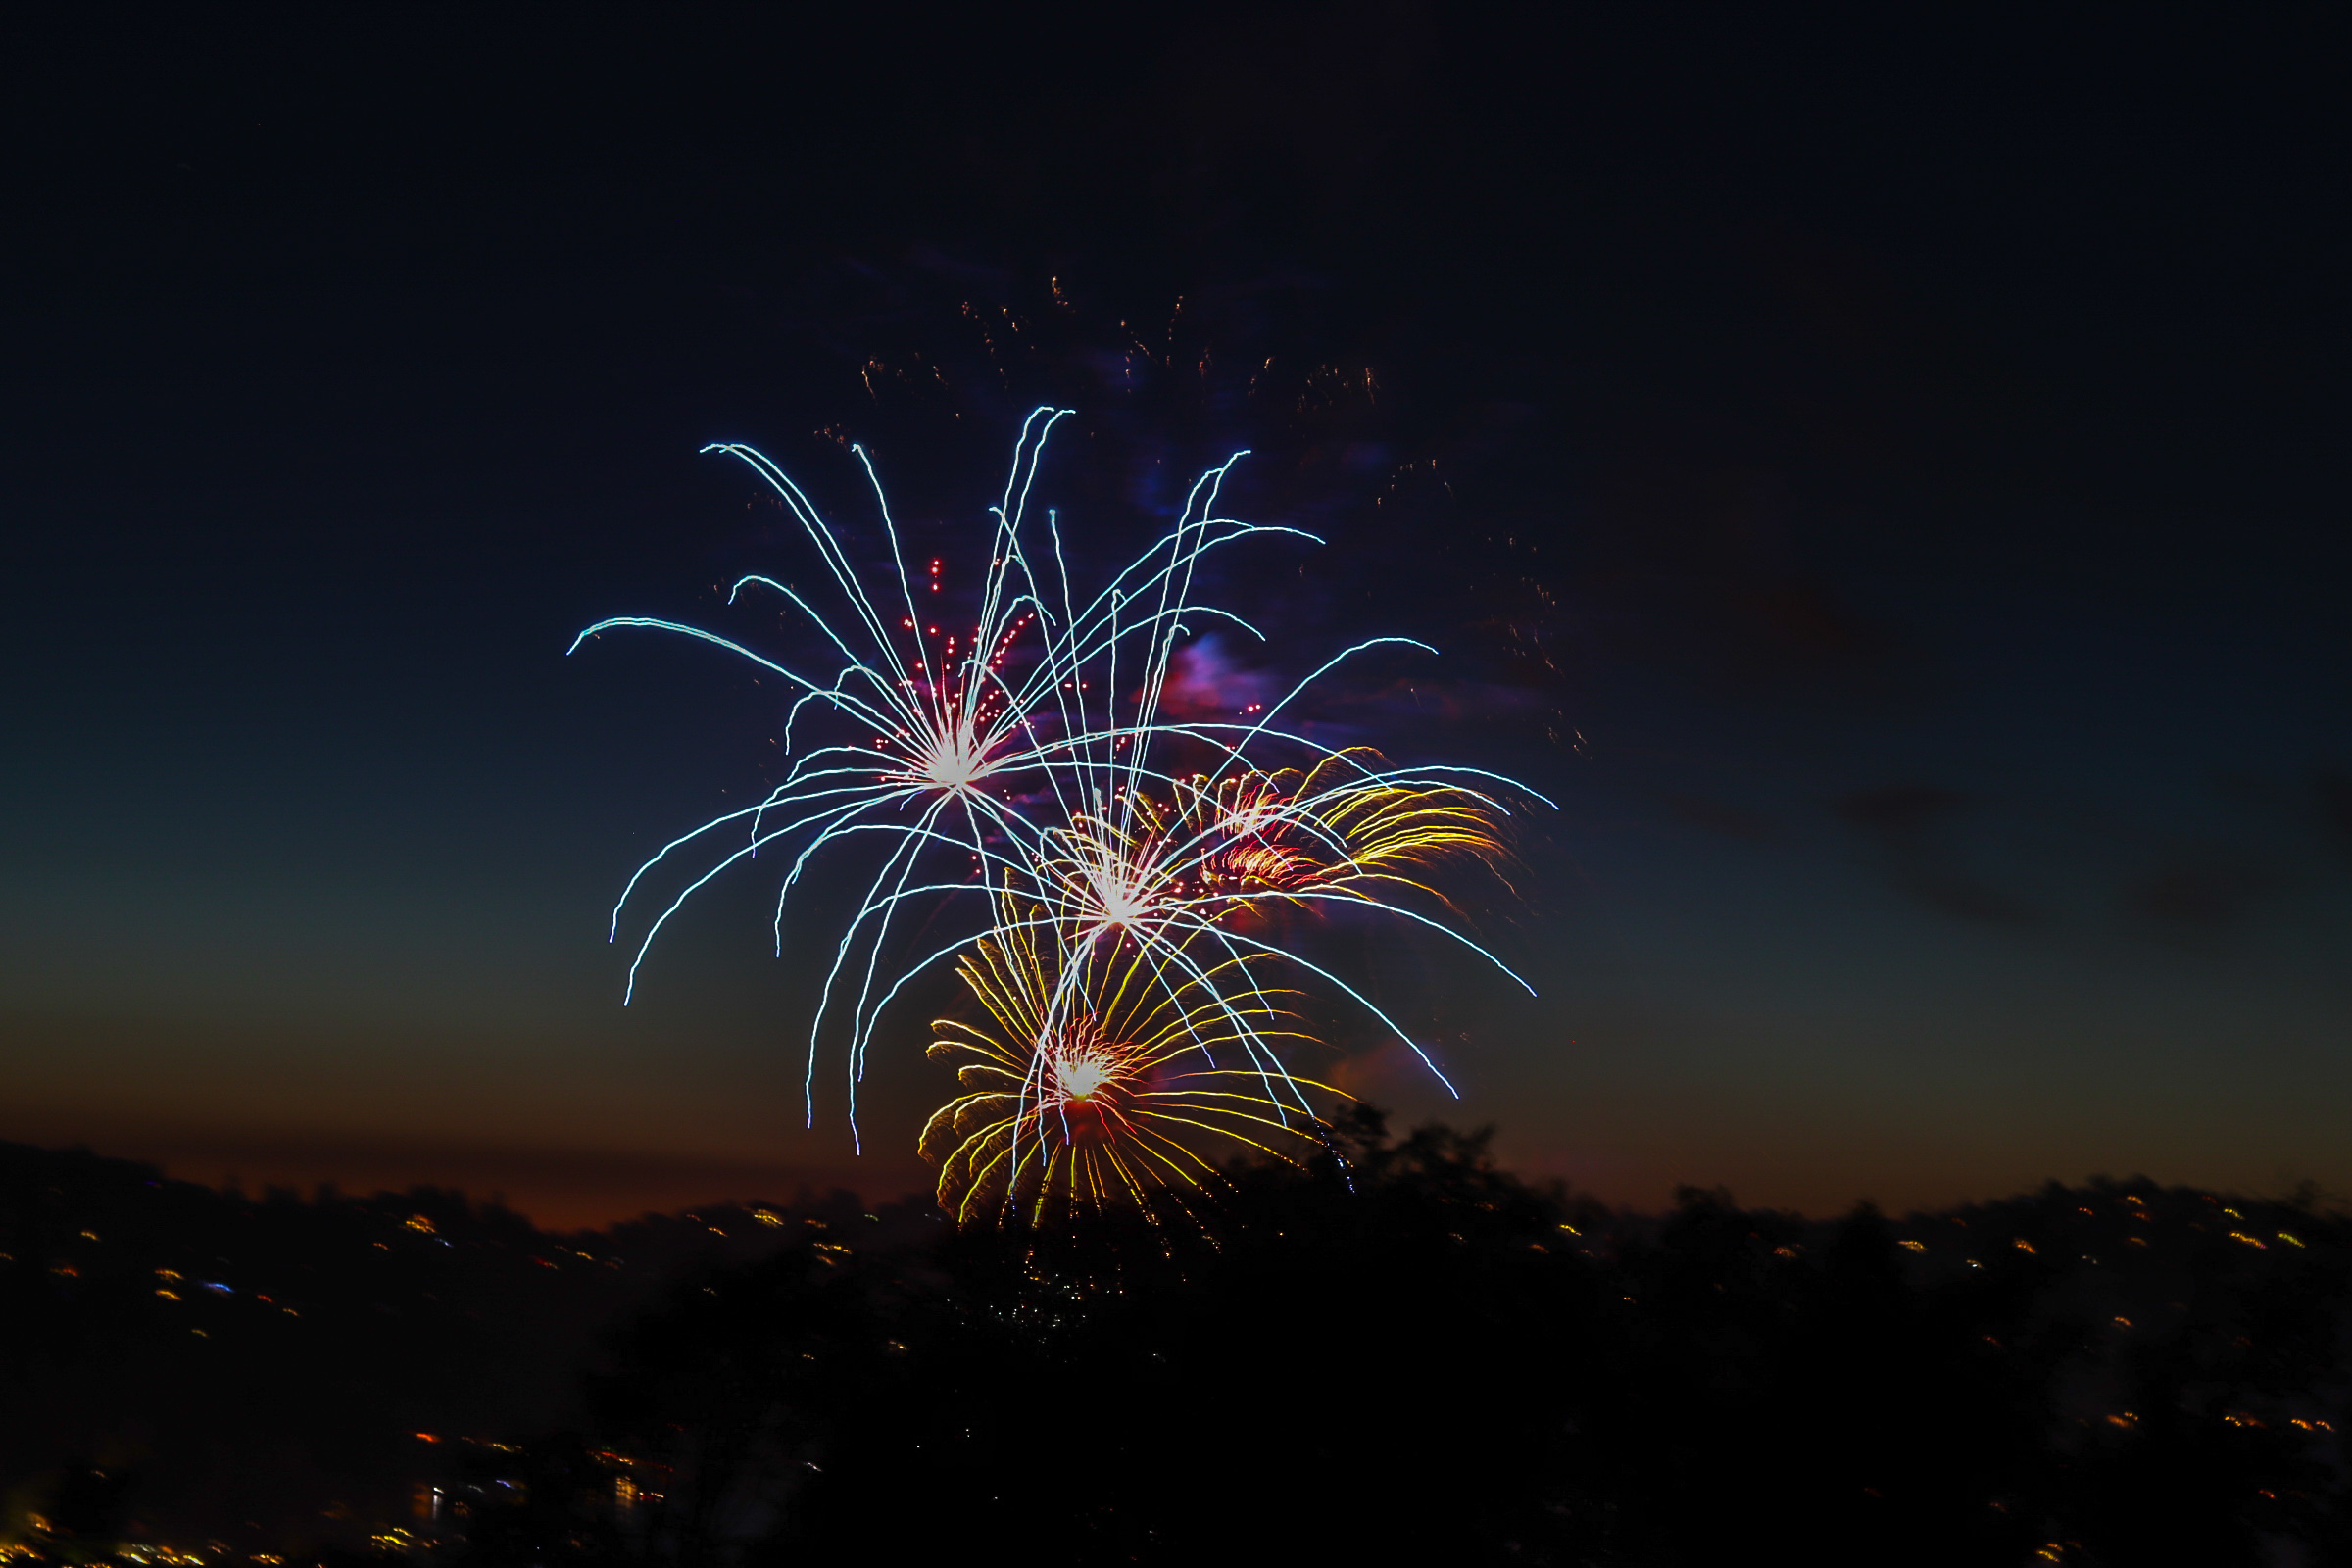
x: 258, y: 1371
x: 1405, y: 1353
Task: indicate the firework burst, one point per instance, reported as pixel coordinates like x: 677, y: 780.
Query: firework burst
x: 1098, y: 1080
x: 1348, y: 826
x: 1122, y: 930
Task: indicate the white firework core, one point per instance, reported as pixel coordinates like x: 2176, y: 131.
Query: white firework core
x: 1079, y: 1074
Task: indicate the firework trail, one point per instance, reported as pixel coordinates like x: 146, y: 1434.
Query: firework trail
x: 1028, y: 761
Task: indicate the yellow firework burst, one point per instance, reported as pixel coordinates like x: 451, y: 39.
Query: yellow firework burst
x: 1345, y: 827
x: 1229, y: 845
x: 1104, y: 1075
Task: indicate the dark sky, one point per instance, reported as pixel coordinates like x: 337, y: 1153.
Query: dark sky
x: 1882, y: 472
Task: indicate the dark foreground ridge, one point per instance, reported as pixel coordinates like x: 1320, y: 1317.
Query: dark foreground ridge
x: 1405, y: 1356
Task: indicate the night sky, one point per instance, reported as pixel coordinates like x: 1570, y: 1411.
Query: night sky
x: 1883, y: 474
